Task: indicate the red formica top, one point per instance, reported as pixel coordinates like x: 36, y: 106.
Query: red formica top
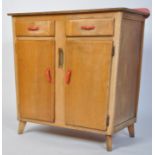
x: 143, y: 10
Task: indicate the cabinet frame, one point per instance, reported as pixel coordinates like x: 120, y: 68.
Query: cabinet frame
x: 119, y: 16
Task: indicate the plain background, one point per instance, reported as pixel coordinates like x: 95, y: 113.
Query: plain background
x: 40, y: 139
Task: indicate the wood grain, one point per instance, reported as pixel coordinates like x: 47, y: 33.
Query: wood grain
x: 44, y: 28
x: 128, y: 71
x: 102, y: 27
x: 113, y: 79
x: 60, y: 71
x: 36, y: 94
x: 86, y: 96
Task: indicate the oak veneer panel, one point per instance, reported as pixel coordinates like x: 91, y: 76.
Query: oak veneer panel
x: 36, y: 94
x: 86, y: 96
x: 100, y: 27
x: 128, y: 70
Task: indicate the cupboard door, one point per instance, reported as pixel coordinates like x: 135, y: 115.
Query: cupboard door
x: 35, y: 79
x: 88, y: 65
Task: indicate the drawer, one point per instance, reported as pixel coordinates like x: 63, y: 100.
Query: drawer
x: 34, y: 28
x: 90, y: 27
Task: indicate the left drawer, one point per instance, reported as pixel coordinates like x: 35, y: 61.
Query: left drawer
x: 34, y: 28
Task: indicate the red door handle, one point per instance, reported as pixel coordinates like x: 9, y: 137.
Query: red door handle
x: 68, y: 76
x: 33, y: 28
x: 87, y: 27
x: 48, y: 75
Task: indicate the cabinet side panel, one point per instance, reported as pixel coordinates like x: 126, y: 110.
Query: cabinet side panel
x: 129, y: 65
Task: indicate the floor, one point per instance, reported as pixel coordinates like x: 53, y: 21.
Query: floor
x: 40, y: 139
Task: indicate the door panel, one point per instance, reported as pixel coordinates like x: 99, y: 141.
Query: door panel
x: 88, y: 63
x: 35, y: 74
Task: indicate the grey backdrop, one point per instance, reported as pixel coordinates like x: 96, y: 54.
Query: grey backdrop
x: 48, y: 140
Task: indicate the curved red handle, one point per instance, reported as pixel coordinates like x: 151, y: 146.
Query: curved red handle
x: 87, y: 27
x: 68, y: 76
x: 48, y: 75
x: 33, y: 28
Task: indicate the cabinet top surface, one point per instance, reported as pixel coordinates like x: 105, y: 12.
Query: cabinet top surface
x: 134, y: 11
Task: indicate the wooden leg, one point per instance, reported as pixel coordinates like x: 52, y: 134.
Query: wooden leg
x: 131, y: 130
x: 109, y: 142
x: 21, y: 127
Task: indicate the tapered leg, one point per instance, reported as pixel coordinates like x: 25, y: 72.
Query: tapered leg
x: 21, y: 127
x: 131, y: 130
x: 109, y: 142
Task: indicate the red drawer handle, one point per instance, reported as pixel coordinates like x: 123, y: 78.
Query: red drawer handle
x: 68, y: 76
x: 88, y: 27
x: 48, y: 75
x: 33, y: 28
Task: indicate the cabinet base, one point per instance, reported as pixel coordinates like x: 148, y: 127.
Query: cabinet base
x: 108, y: 140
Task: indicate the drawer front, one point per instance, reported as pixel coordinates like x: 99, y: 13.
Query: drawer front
x: 90, y: 27
x: 34, y: 28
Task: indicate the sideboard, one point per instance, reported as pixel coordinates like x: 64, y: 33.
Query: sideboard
x: 79, y: 69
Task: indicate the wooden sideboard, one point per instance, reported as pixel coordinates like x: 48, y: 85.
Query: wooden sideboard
x: 79, y: 69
